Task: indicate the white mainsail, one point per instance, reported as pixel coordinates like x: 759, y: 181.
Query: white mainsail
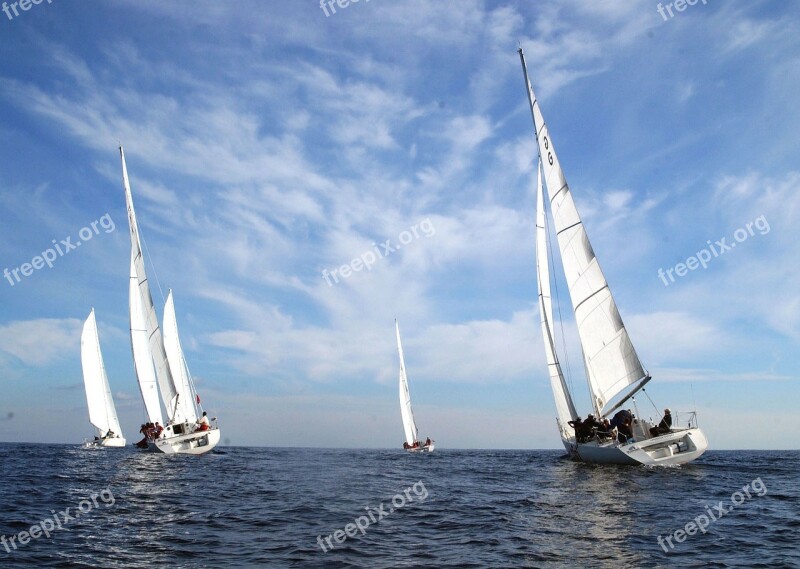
x: 156, y: 345
x: 102, y: 413
x: 185, y: 404
x: 409, y: 426
x: 140, y: 346
x: 612, y: 365
x: 565, y: 408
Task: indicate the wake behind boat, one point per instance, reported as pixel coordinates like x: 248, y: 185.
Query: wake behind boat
x: 614, y: 372
x: 160, y: 363
x: 412, y: 442
x: 102, y: 413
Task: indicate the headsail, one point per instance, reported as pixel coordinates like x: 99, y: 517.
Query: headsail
x: 409, y: 426
x: 102, y: 413
x: 612, y: 365
x: 165, y: 381
x: 185, y: 405
x: 564, y: 406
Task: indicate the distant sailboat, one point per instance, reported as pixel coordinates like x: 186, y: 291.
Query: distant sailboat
x: 412, y: 443
x: 102, y: 413
x: 183, y: 432
x: 613, y: 369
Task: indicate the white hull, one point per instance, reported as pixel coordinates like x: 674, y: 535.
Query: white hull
x: 115, y: 442
x: 426, y: 448
x: 198, y: 442
x: 678, y: 447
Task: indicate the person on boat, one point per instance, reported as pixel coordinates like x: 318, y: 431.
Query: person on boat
x: 158, y: 429
x: 202, y: 422
x: 109, y: 434
x: 665, y: 426
x: 428, y: 442
x: 580, y: 429
x: 592, y: 426
x: 604, y: 431
x: 623, y: 421
x: 405, y: 445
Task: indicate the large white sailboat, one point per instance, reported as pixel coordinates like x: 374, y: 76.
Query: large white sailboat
x: 102, y: 413
x: 613, y: 369
x: 183, y: 432
x: 412, y: 442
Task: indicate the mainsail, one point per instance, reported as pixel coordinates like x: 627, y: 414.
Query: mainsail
x: 409, y: 426
x: 102, y: 413
x: 185, y: 408
x: 564, y: 407
x: 140, y: 346
x: 612, y: 365
x: 156, y: 346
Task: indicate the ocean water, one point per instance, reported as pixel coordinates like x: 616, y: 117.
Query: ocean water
x: 276, y: 507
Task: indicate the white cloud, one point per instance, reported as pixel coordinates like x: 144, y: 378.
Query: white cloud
x: 41, y: 342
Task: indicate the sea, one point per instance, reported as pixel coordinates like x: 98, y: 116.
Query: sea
x: 68, y: 506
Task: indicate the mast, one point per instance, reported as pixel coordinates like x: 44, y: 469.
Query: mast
x: 102, y: 413
x: 565, y: 408
x: 155, y: 342
x: 409, y: 425
x: 613, y: 368
x: 185, y: 403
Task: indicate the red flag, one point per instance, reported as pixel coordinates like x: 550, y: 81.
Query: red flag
x: 198, y: 398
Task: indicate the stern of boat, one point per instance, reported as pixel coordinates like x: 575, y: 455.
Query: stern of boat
x: 677, y: 447
x: 197, y: 442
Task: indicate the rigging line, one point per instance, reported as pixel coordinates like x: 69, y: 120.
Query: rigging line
x: 152, y: 266
x: 554, y: 282
x: 653, y: 404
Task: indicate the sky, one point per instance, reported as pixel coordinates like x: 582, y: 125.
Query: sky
x: 270, y: 144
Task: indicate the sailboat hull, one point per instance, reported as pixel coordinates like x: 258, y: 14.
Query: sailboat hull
x: 671, y: 449
x: 198, y: 442
x: 426, y: 448
x: 114, y: 442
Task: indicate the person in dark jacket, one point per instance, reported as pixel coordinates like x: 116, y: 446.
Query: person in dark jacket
x: 665, y: 426
x: 577, y: 424
x: 622, y: 421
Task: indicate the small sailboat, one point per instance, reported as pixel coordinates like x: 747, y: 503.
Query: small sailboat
x: 159, y: 360
x: 613, y: 369
x: 102, y: 413
x: 412, y: 442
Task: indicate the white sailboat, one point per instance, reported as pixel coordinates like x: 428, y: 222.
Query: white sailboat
x: 613, y: 369
x: 412, y: 442
x: 102, y: 413
x: 183, y: 433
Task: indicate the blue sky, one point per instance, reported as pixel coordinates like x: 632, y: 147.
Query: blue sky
x: 267, y: 142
